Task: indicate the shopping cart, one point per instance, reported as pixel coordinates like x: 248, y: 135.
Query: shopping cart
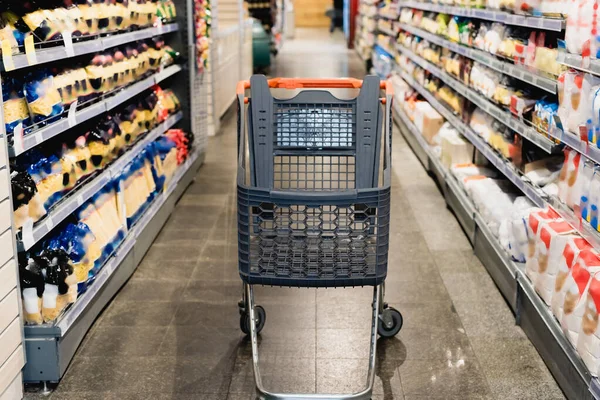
x: 311, y: 209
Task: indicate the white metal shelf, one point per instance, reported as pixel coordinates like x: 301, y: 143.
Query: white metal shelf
x: 111, y: 100
x: 88, y: 46
x: 550, y: 24
x: 30, y: 235
x: 483, y: 103
x: 387, y: 32
x: 576, y: 61
x: 501, y: 164
x: 507, y: 68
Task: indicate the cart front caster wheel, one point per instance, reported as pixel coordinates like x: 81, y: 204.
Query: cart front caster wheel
x: 259, y: 314
x: 389, y: 323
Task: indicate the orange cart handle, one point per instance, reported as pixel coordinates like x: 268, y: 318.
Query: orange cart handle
x: 304, y: 83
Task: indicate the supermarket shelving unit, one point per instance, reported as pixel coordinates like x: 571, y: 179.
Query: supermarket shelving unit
x: 229, y: 57
x: 531, y: 313
x: 12, y: 349
x: 49, y: 348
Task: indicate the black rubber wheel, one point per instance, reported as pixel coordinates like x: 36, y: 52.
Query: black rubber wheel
x: 392, y: 330
x: 261, y: 317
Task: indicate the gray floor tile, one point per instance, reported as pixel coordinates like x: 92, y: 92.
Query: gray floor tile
x: 216, y: 270
x: 524, y: 389
x: 176, y: 252
x: 434, y: 344
x: 431, y: 290
x: 214, y: 292
x: 279, y: 374
x: 343, y: 343
x: 457, y: 261
x: 139, y: 289
x: 489, y: 319
x: 454, y: 377
x: 165, y: 271
x: 200, y: 341
x: 470, y: 286
x: 350, y: 375
x: 113, y: 341
x: 430, y: 315
x: 207, y: 314
x: 510, y: 358
x: 138, y: 313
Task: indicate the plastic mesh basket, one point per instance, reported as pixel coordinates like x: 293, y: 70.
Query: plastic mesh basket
x: 313, y: 213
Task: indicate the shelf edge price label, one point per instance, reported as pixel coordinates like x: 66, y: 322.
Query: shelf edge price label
x: 68, y: 39
x: 27, y: 234
x: 30, y: 50
x: 72, y: 114
x: 18, y: 141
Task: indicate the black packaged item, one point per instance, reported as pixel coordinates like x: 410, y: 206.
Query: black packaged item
x: 41, y: 20
x: 60, y: 288
x: 32, y: 288
x: 27, y: 204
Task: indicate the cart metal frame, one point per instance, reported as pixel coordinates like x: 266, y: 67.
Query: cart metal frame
x: 367, y: 201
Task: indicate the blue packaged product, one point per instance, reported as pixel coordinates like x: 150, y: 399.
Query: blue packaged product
x: 43, y: 99
x: 15, y: 106
x: 47, y: 173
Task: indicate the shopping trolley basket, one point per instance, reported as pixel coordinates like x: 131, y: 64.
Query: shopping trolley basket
x: 314, y: 198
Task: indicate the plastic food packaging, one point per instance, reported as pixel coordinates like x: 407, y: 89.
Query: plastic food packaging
x: 80, y: 244
x: 60, y: 283
x: 43, y: 99
x: 554, y: 236
x: 588, y: 339
x: 48, y: 174
x: 578, y: 33
x: 536, y: 221
x: 15, y: 105
x: 32, y: 290
x: 42, y: 22
x: 587, y: 174
x: 576, y: 298
x: 79, y: 156
x: 569, y: 190
x: 594, y: 205
x: 564, y: 277
x: 27, y: 203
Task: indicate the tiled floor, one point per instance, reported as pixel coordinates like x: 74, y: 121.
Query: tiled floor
x: 172, y: 332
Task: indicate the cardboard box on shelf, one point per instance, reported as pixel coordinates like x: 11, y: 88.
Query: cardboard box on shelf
x: 455, y: 150
x: 428, y: 121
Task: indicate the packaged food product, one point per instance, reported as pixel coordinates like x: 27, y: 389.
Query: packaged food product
x: 27, y: 203
x: 578, y: 32
x: 42, y: 22
x: 60, y: 283
x: 43, y: 99
x: 554, y: 236
x: 15, y: 105
x: 564, y: 277
x: 575, y: 301
x: 32, y: 289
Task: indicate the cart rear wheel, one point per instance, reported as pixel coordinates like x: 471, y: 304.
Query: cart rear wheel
x: 260, y: 316
x: 394, y: 319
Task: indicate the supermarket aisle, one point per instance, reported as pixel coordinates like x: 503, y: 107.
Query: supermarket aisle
x: 172, y: 332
